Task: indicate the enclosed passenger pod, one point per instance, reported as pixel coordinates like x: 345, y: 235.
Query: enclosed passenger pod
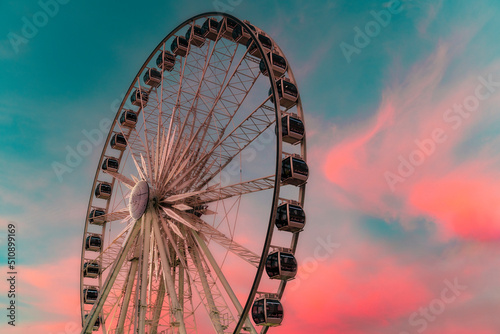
x: 97, y: 323
x: 96, y: 216
x: 152, y: 77
x: 165, y: 61
x: 267, y: 311
x: 294, y: 170
x: 281, y: 265
x: 90, y: 295
x: 290, y: 217
x: 118, y: 142
x: 210, y: 28
x: 227, y: 25
x: 93, y: 243
x: 287, y: 93
x: 194, y: 35
x: 139, y: 98
x: 278, y: 65
x: 128, y: 118
x: 91, y: 269
x: 110, y: 165
x: 292, y: 129
x: 103, y: 190
x: 266, y: 42
x: 179, y: 46
x: 240, y: 35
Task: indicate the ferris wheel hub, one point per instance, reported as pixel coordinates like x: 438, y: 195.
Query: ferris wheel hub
x: 139, y: 198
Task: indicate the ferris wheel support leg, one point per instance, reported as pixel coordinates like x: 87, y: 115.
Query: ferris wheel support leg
x: 143, y: 306
x: 214, y: 312
x: 128, y: 294
x: 223, y: 279
x: 169, y: 281
x: 158, y: 307
x: 108, y: 284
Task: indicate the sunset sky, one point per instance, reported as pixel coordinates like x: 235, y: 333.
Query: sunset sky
x: 401, y: 100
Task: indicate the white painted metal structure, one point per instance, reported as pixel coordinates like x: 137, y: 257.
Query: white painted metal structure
x: 159, y: 273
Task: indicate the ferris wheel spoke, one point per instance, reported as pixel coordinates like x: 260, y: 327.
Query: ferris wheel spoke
x: 129, y: 284
x: 214, y: 234
x: 108, y: 284
x: 122, y: 178
x: 121, y: 214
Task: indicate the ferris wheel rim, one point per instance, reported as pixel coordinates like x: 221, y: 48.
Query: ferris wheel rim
x: 279, y: 150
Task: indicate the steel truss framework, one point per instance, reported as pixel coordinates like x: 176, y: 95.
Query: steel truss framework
x: 157, y: 273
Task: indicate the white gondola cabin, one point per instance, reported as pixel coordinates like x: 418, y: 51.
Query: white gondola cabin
x: 139, y: 98
x: 90, y: 295
x: 118, y: 142
x: 96, y: 216
x: 278, y: 65
x: 93, y: 243
x: 281, y: 265
x: 266, y: 42
x: 128, y: 118
x: 294, y: 170
x: 110, y: 165
x: 240, y: 35
x: 165, y: 61
x: 287, y: 93
x: 226, y: 27
x: 195, y: 35
x: 210, y: 28
x: 290, y: 217
x: 152, y: 77
x: 292, y: 129
x: 179, y: 46
x: 97, y: 323
x: 103, y: 190
x: 91, y: 269
x: 267, y: 311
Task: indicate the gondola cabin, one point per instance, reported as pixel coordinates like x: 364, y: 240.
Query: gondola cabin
x: 294, y: 171
x: 165, y: 61
x: 195, y: 36
x: 278, y: 65
x: 267, y: 312
x: 128, y: 118
x: 96, y: 216
x: 90, y: 295
x: 266, y: 43
x: 210, y: 28
x: 152, y: 77
x: 241, y: 35
x: 93, y: 243
x: 91, y: 269
x: 292, y: 129
x: 110, y: 165
x: 179, y: 46
x: 226, y: 27
x: 118, y: 142
x: 290, y: 217
x: 287, y: 93
x: 139, y: 98
x: 103, y: 190
x: 281, y: 265
x: 97, y: 323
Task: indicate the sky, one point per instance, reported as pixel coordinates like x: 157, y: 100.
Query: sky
x: 400, y: 102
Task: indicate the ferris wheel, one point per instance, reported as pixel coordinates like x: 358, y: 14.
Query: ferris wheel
x: 204, y: 161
